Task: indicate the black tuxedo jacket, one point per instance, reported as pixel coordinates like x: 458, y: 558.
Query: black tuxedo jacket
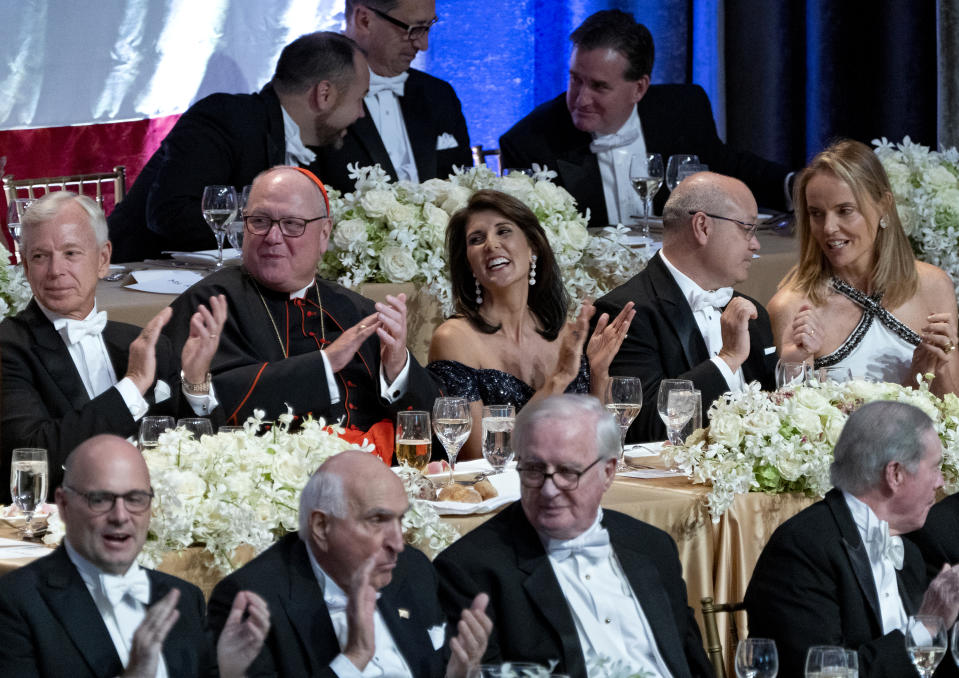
x: 813, y: 585
x: 664, y: 342
x: 505, y: 558
x: 302, y: 641
x: 430, y: 108
x: 50, y: 625
x: 221, y: 139
x: 674, y: 118
x: 44, y: 401
x: 938, y: 540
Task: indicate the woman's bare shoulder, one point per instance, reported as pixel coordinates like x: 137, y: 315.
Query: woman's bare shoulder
x: 935, y: 285
x: 455, y: 339
x: 786, y: 301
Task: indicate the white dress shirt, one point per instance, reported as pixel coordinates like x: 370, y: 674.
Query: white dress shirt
x: 609, y: 619
x: 123, y: 616
x: 296, y: 151
x: 387, y: 662
x: 382, y: 101
x: 708, y: 320
x: 622, y: 201
x: 875, y: 534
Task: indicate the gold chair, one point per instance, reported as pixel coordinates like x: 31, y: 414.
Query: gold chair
x: 480, y: 155
x: 31, y: 188
x: 714, y: 644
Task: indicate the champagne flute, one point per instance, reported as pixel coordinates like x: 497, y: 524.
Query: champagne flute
x: 29, y: 474
x: 756, y: 658
x: 198, y: 426
x: 452, y: 424
x: 673, y: 166
x: 662, y: 398
x: 926, y: 642
x: 826, y: 661
x: 219, y: 210
x: 623, y: 398
x: 235, y: 233
x: 646, y: 175
x: 497, y: 435
x: 414, y: 441
x: 150, y: 430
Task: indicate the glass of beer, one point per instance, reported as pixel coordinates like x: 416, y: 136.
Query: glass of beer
x: 413, y: 439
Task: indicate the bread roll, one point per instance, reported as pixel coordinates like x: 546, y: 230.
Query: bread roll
x: 485, y: 489
x: 460, y: 493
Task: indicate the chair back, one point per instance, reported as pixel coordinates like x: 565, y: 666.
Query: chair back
x: 91, y: 185
x: 714, y: 643
x: 480, y: 155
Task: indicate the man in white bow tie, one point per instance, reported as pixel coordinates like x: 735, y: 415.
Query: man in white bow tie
x: 68, y: 372
x: 838, y: 573
x: 414, y: 126
x: 89, y: 610
x: 570, y: 582
x: 689, y: 323
x: 346, y: 598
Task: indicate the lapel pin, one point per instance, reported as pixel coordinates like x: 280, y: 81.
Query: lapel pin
x: 403, y: 612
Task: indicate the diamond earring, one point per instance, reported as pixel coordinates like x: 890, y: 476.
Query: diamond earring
x: 882, y: 222
x: 532, y: 270
x: 479, y: 293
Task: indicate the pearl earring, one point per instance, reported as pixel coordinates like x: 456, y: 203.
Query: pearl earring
x: 479, y: 293
x: 532, y: 270
x: 882, y: 222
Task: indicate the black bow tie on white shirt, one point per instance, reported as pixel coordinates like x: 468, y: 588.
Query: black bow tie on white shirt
x: 718, y: 299
x: 78, y: 329
x: 396, y: 84
x: 608, y: 142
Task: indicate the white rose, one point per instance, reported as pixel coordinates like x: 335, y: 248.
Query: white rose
x: 549, y: 193
x: 436, y: 189
x: 436, y: 222
x: 456, y: 198
x: 807, y: 422
x: 833, y: 428
x: 397, y: 264
x: 726, y: 429
x: 376, y: 202
x: 811, y: 399
x: 939, y: 178
x: 401, y: 215
x: 898, y: 174
x: 947, y: 212
x: 761, y: 423
x: 573, y: 234
x: 517, y: 185
x: 349, y: 233
x: 186, y: 485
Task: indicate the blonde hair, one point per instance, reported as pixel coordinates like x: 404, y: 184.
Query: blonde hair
x: 894, y: 271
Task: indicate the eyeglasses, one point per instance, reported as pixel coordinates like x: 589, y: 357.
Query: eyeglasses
x: 291, y: 227
x: 412, y: 32
x: 563, y: 478
x: 135, y: 501
x: 748, y: 229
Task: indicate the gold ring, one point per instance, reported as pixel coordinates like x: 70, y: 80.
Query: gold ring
x: 949, y: 347
x: 812, y: 332
x: 362, y: 327
x: 213, y: 336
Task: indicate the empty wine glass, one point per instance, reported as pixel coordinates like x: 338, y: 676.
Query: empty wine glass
x: 680, y: 407
x: 198, y: 426
x: 756, y: 658
x: 219, y: 210
x: 673, y: 166
x: 790, y: 374
x: 150, y: 430
x: 623, y: 398
x: 646, y: 175
x: 826, y: 661
x: 926, y: 642
x: 414, y: 439
x: 452, y: 423
x: 28, y: 484
x: 235, y: 232
x: 662, y: 397
x: 497, y: 435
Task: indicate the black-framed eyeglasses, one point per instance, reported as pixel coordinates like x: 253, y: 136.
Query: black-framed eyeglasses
x: 135, y: 501
x: 291, y: 227
x: 748, y: 229
x: 563, y: 478
x: 412, y: 32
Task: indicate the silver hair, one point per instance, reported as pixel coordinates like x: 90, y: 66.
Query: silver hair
x: 568, y: 407
x: 47, y: 208
x: 696, y: 194
x: 874, y: 435
x: 323, y: 492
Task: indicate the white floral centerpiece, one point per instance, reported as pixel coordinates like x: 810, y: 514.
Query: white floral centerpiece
x: 15, y: 291
x: 782, y: 441
x: 395, y: 232
x: 925, y: 184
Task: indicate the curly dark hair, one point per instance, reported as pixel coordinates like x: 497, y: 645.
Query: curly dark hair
x: 548, y: 299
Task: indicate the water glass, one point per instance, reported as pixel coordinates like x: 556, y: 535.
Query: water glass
x: 756, y: 658
x: 696, y: 421
x: 150, y: 430
x: 452, y: 424
x: 497, y: 435
x: 673, y: 166
x: 236, y: 230
x: 198, y: 426
x: 29, y: 474
x: 662, y: 397
x: 926, y: 642
x: 789, y: 374
x: 826, y: 661
x: 836, y: 374
x: 219, y: 208
x: 414, y: 439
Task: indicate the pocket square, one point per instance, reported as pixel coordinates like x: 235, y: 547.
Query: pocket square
x: 769, y: 350
x: 161, y: 391
x: 437, y: 636
x: 446, y: 141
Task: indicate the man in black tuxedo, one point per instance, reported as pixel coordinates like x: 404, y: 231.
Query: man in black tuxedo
x: 610, y: 113
x: 68, y: 373
x: 89, y: 610
x: 414, y: 126
x: 345, y: 593
x: 568, y: 581
x: 316, y: 92
x: 689, y: 323
x: 837, y: 573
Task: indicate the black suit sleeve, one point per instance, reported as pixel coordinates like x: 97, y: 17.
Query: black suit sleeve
x: 18, y: 646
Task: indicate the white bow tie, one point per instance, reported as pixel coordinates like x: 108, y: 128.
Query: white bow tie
x: 78, y: 329
x: 135, y: 584
x: 396, y: 84
x: 704, y: 300
x: 610, y: 141
x: 593, y: 544
x: 883, y: 545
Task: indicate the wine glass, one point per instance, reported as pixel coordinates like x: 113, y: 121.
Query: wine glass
x: 836, y: 374
x: 150, y: 430
x: 497, y: 434
x: 646, y: 175
x: 219, y: 210
x: 452, y: 424
x: 789, y: 374
x: 673, y: 166
x: 680, y: 407
x: 826, y: 661
x: 235, y: 232
x: 198, y: 426
x: 624, y: 399
x: 688, y: 169
x: 662, y: 398
x: 15, y: 212
x: 954, y: 642
x: 926, y: 642
x: 28, y: 483
x: 756, y: 658
x: 414, y: 441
